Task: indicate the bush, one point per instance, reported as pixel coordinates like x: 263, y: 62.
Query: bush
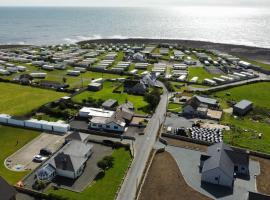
x: 106, y: 163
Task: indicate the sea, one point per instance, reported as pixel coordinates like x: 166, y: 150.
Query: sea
x: 57, y: 25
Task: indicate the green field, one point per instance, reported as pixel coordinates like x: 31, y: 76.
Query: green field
x: 57, y: 75
x: 8, y: 145
x: 258, y: 93
x: 199, y: 72
x: 20, y: 100
x: 106, y: 187
x: 107, y: 93
x: 175, y: 107
x: 245, y: 133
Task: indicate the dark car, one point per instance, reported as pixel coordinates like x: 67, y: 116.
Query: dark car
x: 45, y: 152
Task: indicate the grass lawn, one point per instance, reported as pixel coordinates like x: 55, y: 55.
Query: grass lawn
x: 106, y: 187
x: 175, y: 107
x: 199, y: 72
x: 9, y: 137
x: 19, y: 100
x: 246, y: 133
x: 107, y: 93
x: 258, y: 93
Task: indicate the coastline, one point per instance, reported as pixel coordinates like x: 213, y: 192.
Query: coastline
x: 250, y: 52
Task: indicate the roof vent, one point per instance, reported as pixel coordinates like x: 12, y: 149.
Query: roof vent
x: 218, y: 149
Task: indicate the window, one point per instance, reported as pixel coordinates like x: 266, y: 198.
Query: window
x: 108, y: 126
x: 100, y: 126
x: 216, y: 178
x: 115, y: 127
x: 94, y: 125
x: 243, y: 168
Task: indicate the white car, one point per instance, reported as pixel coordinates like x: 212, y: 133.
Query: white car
x: 39, y: 158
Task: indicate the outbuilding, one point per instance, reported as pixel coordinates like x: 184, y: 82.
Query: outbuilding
x: 95, y: 86
x: 109, y: 104
x: 242, y: 108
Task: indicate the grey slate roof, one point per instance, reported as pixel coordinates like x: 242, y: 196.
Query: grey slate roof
x: 205, y: 100
x: 6, y: 190
x: 77, y: 136
x: 243, y: 104
x: 219, y: 159
x: 224, y: 157
x: 72, y: 156
x: 109, y: 103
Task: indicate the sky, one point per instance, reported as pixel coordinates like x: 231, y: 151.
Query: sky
x: 135, y: 3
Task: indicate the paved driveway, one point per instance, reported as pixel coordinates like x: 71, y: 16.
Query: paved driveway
x: 188, y: 162
x: 24, y: 156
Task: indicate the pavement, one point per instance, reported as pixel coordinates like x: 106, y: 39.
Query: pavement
x: 188, y: 162
x: 24, y: 156
x: 142, y: 149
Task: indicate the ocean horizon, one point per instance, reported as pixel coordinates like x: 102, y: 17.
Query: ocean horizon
x: 57, y: 25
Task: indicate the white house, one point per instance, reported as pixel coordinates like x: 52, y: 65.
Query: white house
x: 69, y: 162
x: 95, y: 112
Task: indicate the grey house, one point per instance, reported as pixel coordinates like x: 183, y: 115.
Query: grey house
x: 222, y: 164
x: 242, y: 108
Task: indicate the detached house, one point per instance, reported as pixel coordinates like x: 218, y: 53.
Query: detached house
x: 69, y: 162
x: 222, y: 164
x: 117, y: 122
x: 135, y: 87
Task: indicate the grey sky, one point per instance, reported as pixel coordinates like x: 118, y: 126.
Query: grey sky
x: 134, y: 2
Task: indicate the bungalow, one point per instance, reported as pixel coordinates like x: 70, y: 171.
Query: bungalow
x: 222, y: 164
x: 117, y: 122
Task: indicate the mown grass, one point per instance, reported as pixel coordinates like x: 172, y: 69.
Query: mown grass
x: 175, y: 107
x: 106, y: 187
x: 258, y: 93
x: 8, y: 145
x: 199, y: 72
x: 245, y: 133
x: 19, y: 100
x: 107, y: 93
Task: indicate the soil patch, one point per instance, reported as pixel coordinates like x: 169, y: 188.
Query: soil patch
x: 165, y: 181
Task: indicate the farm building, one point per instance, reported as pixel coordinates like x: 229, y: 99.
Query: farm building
x: 221, y: 163
x: 242, y: 108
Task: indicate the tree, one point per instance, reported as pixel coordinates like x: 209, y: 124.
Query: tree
x: 102, y: 165
x: 106, y: 163
x: 153, y: 98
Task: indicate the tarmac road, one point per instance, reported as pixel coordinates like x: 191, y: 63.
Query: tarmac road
x: 144, y: 147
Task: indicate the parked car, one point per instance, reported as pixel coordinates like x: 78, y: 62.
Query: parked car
x: 45, y: 152
x: 39, y: 158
